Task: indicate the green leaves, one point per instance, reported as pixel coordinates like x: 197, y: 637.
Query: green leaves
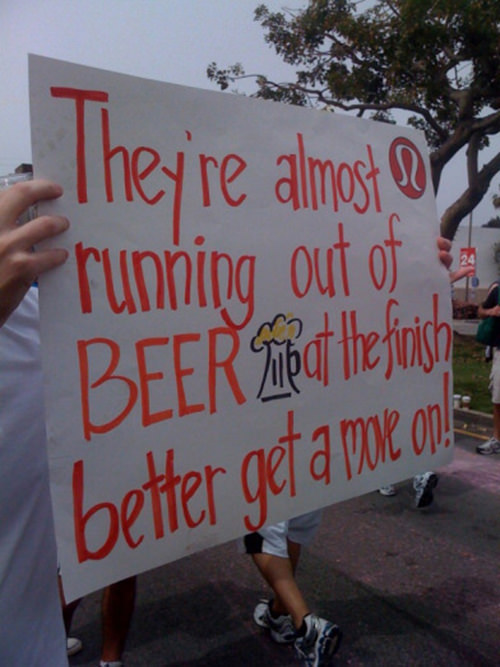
x: 437, y: 61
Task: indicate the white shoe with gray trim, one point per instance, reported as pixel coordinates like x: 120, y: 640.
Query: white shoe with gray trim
x: 281, y: 628
x: 424, y: 486
x: 73, y: 645
x: 388, y: 490
x: 321, y: 641
x: 492, y: 446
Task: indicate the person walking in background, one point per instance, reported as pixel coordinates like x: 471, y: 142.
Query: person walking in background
x: 491, y: 308
x: 424, y: 483
x: 276, y: 551
x: 117, y: 608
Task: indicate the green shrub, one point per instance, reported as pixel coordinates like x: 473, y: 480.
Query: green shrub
x: 471, y: 372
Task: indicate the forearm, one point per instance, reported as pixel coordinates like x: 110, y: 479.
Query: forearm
x: 483, y: 312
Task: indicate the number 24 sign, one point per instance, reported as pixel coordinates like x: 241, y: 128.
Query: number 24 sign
x: 467, y: 258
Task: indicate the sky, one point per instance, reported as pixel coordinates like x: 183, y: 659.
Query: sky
x: 166, y: 40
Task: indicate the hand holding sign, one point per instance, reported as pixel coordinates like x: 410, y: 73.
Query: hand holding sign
x: 19, y: 265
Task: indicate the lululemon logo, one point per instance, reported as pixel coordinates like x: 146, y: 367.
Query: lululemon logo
x: 407, y: 167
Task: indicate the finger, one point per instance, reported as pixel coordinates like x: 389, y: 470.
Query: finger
x: 44, y: 260
x: 20, y: 271
x: 24, y: 266
x: 37, y: 230
x: 443, y: 244
x: 20, y: 196
x: 445, y: 258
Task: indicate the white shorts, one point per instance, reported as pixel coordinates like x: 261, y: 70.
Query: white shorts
x: 495, y: 377
x: 273, y: 539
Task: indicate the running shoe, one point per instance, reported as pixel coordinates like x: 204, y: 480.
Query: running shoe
x: 320, y: 642
x: 492, y: 446
x: 388, y: 490
x: 424, y: 486
x: 281, y: 628
x: 73, y: 645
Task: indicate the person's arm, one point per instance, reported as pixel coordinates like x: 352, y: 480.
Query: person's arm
x: 490, y: 307
x: 20, y: 265
x: 444, y: 248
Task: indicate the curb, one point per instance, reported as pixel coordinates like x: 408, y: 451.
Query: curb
x: 472, y: 420
x: 465, y: 327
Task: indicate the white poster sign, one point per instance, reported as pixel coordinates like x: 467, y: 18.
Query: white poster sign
x: 253, y: 321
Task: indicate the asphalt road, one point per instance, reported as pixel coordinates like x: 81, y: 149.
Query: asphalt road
x: 408, y: 587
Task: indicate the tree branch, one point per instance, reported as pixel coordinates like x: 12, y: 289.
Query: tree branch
x: 470, y: 198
